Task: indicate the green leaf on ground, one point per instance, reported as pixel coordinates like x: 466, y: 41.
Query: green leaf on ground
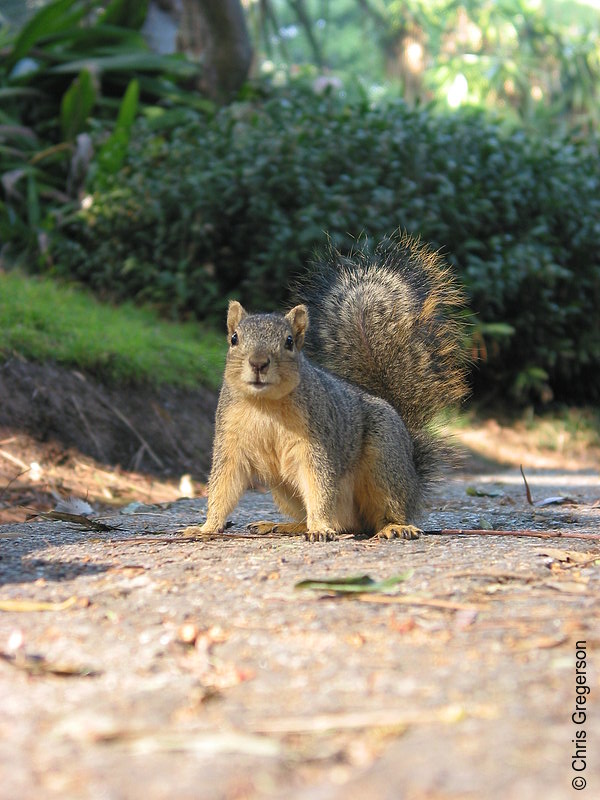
x: 474, y: 491
x: 356, y: 584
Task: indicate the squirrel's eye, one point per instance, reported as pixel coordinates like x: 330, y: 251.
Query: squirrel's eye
x: 234, y: 338
x: 289, y: 343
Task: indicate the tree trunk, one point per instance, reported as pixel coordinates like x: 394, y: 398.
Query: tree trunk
x: 215, y: 32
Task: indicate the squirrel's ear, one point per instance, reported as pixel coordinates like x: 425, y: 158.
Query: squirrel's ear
x: 298, y: 319
x: 235, y: 314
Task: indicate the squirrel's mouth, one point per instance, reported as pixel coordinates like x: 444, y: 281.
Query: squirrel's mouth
x: 258, y: 384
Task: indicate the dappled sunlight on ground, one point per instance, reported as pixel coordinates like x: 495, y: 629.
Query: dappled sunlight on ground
x: 543, y: 445
x: 34, y: 475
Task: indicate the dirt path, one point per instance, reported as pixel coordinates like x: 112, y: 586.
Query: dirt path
x: 197, y: 670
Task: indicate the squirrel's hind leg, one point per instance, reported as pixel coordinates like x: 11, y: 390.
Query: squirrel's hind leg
x: 290, y: 528
x: 387, y: 493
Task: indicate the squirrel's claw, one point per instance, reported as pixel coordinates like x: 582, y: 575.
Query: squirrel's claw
x: 203, y: 530
x: 395, y: 531
x: 325, y: 535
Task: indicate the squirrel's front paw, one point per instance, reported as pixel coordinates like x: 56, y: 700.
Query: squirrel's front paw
x: 202, y: 530
x: 193, y: 530
x: 324, y: 535
x: 263, y: 527
x: 395, y: 531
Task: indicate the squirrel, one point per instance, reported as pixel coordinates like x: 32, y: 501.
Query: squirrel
x: 334, y: 416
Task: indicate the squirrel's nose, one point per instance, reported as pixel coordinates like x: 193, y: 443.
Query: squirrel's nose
x: 259, y: 363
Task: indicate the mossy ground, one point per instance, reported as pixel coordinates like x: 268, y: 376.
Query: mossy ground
x: 43, y: 320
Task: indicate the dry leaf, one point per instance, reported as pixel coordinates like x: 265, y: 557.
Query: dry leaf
x: 384, y: 717
x: 474, y: 491
x: 39, y: 665
x: 35, y: 605
x: 355, y: 639
x: 198, y: 742
x: 77, y: 519
x: 570, y: 556
x: 541, y: 643
x: 568, y: 587
x: 414, y: 600
x: 73, y: 505
x: 464, y: 618
x: 356, y: 584
x: 558, y: 500
x: 187, y: 633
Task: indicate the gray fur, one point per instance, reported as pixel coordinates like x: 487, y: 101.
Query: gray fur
x: 388, y: 355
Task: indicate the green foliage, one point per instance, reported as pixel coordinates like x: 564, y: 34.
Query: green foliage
x: 47, y: 21
x: 77, y: 104
x: 127, y: 13
x: 206, y: 208
x: 42, y: 319
x: 536, y: 62
x: 67, y: 68
x: 112, y: 153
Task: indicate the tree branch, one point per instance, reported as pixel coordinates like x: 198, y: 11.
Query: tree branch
x: 306, y: 22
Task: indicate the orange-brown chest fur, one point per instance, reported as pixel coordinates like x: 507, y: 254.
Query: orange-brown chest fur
x: 271, y: 439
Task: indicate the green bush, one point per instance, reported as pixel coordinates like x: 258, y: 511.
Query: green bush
x: 233, y: 204
x: 73, y: 63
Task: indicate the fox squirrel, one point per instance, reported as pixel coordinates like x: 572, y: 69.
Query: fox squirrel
x: 343, y: 446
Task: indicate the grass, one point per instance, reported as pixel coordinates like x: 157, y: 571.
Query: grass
x: 559, y: 437
x: 567, y: 427
x: 44, y: 320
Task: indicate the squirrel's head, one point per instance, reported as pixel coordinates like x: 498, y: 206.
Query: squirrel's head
x: 264, y: 351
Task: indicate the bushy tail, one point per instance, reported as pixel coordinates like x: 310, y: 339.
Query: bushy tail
x: 387, y: 322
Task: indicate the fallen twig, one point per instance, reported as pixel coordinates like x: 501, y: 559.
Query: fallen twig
x: 77, y: 519
x: 13, y: 604
x: 11, y: 481
x: 177, y: 537
x: 38, y: 665
x: 14, y: 460
x: 527, y: 489
x: 88, y: 428
x: 536, y: 534
x: 414, y: 600
x: 134, y: 430
x: 384, y: 717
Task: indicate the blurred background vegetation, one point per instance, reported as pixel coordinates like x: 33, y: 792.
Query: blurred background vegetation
x: 179, y: 153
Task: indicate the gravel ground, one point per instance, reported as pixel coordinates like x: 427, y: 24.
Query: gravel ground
x: 178, y: 668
